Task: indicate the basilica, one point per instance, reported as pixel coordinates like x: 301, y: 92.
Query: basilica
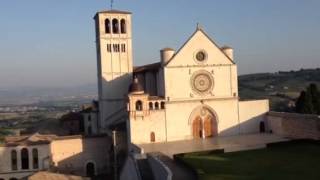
x: 190, y: 93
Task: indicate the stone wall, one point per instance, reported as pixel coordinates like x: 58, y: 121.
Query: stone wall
x: 251, y: 113
x: 71, y: 155
x: 129, y: 170
x: 159, y: 169
x: 292, y: 125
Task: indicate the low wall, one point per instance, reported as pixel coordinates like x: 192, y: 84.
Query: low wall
x: 292, y: 125
x: 251, y: 113
x: 129, y: 170
x: 159, y: 169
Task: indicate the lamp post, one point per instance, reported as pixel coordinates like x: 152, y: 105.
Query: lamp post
x: 115, y: 166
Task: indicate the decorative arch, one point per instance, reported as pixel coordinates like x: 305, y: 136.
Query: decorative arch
x: 123, y: 27
x: 162, y: 105
x: 107, y: 26
x: 150, y: 105
x: 139, y: 105
x: 90, y: 169
x: 115, y: 26
x: 24, y: 158
x: 204, y: 122
x: 156, y: 105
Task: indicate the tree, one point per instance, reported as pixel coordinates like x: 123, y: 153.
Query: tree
x: 300, y: 102
x: 309, y: 101
x: 304, y: 103
x: 315, y: 96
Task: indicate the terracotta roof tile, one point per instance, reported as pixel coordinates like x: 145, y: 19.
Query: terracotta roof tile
x: 44, y: 175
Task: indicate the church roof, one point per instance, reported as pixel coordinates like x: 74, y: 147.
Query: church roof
x: 226, y: 47
x: 147, y: 67
x: 136, y: 87
x: 167, y: 49
x: 210, y: 39
x: 34, y: 139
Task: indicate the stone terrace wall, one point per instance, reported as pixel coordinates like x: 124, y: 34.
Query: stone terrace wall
x: 292, y: 125
x: 159, y: 169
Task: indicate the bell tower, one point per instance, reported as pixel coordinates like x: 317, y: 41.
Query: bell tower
x: 114, y: 61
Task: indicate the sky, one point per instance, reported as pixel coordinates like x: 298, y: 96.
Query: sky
x: 51, y: 43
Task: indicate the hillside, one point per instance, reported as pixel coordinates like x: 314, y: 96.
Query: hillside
x: 282, y: 88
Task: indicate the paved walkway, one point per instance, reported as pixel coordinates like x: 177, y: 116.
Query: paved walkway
x: 229, y: 144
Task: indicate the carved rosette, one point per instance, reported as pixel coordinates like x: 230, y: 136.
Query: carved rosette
x: 202, y: 82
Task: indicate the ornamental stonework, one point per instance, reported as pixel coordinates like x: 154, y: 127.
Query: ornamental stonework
x: 202, y: 82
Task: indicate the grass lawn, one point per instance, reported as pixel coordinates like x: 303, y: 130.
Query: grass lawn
x: 293, y: 160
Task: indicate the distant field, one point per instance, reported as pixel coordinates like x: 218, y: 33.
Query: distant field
x: 280, y: 88
x: 287, y: 161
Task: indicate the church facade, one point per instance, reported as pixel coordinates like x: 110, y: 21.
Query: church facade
x: 190, y: 93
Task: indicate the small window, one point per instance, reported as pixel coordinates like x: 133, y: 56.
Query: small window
x: 116, y: 47
x: 123, y: 48
x: 109, y: 47
x: 123, y: 26
x: 156, y: 105
x: 89, y: 117
x: 152, y: 137
x: 150, y: 105
x: 107, y: 26
x: 24, y: 158
x: 35, y: 158
x: 162, y: 105
x: 90, y: 170
x: 14, y: 161
x: 139, y: 106
x: 115, y: 26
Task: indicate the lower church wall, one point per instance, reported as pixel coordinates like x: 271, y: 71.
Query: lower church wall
x: 179, y: 120
x: 143, y: 126
x: 251, y: 114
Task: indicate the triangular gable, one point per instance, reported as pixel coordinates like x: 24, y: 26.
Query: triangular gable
x: 199, y: 40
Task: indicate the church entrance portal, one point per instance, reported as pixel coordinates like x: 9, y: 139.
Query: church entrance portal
x: 204, y: 123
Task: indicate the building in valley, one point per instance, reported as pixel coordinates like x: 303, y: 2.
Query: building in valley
x: 22, y: 156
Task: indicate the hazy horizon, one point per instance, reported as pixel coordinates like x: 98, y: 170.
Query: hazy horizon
x: 51, y: 43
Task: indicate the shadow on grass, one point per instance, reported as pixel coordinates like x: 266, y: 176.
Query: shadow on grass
x: 286, y: 160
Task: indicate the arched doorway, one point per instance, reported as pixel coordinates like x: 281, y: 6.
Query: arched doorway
x: 90, y: 169
x: 204, y: 123
x: 197, y: 127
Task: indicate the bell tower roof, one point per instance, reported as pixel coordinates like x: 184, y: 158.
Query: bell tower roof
x: 112, y: 11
